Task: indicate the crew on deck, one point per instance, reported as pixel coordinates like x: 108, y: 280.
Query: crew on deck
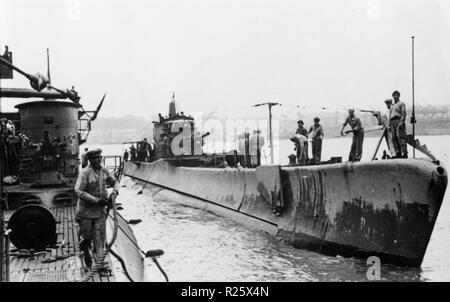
x: 358, y: 135
x: 317, y: 137
x: 397, y: 125
x: 92, y: 200
x: 302, y: 131
x: 133, y: 152
x: 383, y: 120
x: 125, y: 155
x: 256, y: 143
x: 301, y: 146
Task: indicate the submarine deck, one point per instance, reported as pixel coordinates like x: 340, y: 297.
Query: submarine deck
x: 61, y: 263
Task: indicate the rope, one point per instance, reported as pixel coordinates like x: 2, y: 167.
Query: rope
x: 160, y: 269
x: 122, y: 263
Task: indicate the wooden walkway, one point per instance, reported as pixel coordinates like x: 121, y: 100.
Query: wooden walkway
x: 61, y: 263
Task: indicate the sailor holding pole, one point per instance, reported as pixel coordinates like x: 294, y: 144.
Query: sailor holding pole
x: 358, y: 135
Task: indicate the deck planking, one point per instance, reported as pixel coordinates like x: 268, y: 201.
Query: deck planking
x: 70, y: 269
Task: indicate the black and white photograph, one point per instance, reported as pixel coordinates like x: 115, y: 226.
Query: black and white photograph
x: 224, y: 142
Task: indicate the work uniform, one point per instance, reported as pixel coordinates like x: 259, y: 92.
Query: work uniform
x: 358, y: 138
x: 301, y: 143
x: 398, y: 128
x: 256, y: 143
x: 133, y: 153
x: 90, y: 214
x: 302, y: 131
x: 317, y: 136
x: 241, y: 150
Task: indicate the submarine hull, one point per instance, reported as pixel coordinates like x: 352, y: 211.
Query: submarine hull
x: 381, y: 208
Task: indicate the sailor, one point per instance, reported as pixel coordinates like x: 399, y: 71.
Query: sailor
x: 256, y: 143
x: 92, y: 201
x: 138, y: 151
x: 4, y: 129
x: 302, y: 131
x: 358, y: 135
x: 397, y: 126
x: 47, y: 148
x: 11, y: 128
x: 133, y: 152
x: 164, y: 146
x: 125, y: 155
x: 84, y: 159
x: 383, y: 120
x: 241, y: 149
x: 152, y: 151
x: 301, y: 143
x: 56, y: 145
x: 317, y: 137
x: 144, y: 150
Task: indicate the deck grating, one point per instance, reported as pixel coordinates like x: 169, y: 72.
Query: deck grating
x: 69, y: 269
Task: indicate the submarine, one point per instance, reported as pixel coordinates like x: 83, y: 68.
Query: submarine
x: 40, y: 159
x: 384, y: 208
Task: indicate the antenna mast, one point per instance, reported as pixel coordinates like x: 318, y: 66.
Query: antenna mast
x: 48, y: 68
x: 270, y: 126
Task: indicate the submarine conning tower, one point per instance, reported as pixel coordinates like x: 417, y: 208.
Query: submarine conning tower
x: 50, y: 154
x: 57, y: 118
x: 169, y: 127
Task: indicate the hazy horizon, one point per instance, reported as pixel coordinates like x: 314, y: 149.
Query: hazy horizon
x: 230, y: 55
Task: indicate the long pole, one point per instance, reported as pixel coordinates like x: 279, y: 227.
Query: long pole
x: 270, y: 126
x: 379, y: 143
x: 270, y: 133
x: 5, y: 62
x: 413, y: 117
x: 48, y: 68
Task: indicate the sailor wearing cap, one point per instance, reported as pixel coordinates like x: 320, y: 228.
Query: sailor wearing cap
x: 302, y: 131
x: 301, y: 143
x: 397, y: 125
x: 383, y: 120
x: 317, y: 136
x: 92, y: 200
x: 358, y: 135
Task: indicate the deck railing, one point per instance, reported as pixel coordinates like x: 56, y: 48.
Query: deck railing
x: 113, y: 163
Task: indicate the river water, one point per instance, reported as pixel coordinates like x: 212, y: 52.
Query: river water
x: 200, y: 246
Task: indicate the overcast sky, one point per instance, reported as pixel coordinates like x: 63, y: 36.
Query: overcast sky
x: 231, y: 54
